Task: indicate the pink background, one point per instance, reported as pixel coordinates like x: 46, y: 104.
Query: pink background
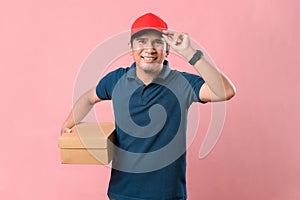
x: 256, y: 42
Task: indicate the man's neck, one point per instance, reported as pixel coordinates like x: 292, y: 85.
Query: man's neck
x: 147, y: 76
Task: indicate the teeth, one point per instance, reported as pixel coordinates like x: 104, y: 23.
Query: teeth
x: 149, y: 58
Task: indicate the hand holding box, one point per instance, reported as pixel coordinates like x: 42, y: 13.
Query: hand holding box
x: 88, y: 143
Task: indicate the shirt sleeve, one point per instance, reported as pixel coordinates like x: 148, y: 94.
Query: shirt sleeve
x: 196, y: 83
x: 106, y: 85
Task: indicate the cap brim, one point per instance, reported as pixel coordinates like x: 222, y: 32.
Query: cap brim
x: 134, y: 31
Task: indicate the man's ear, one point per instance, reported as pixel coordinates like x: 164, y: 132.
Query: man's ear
x: 130, y: 48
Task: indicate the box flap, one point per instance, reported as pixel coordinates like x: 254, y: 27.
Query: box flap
x: 88, y: 135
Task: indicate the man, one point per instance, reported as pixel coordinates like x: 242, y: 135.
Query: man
x: 150, y: 105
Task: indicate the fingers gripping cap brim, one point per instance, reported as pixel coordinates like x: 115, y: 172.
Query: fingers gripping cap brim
x: 148, y: 21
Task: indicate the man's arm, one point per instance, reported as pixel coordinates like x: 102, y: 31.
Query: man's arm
x: 81, y: 108
x: 217, y: 86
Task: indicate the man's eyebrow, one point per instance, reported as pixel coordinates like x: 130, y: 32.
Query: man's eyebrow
x: 144, y: 38
x: 141, y: 38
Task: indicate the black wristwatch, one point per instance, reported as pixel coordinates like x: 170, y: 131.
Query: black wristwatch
x: 197, y: 56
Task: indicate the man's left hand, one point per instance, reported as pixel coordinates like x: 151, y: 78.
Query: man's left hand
x: 180, y: 42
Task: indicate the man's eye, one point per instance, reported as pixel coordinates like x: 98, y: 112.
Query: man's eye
x: 159, y: 42
x: 142, y: 41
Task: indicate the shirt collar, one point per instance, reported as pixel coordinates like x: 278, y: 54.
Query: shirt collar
x: 131, y: 74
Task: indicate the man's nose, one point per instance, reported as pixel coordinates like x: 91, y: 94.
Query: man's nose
x: 149, y: 47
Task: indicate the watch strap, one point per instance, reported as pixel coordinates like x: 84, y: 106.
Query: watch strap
x: 197, y: 56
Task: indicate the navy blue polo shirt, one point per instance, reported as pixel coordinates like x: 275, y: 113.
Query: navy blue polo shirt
x: 150, y: 159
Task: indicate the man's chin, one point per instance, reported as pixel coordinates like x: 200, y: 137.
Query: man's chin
x: 150, y: 68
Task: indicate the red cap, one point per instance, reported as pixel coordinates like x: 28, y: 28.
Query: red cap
x: 148, y: 21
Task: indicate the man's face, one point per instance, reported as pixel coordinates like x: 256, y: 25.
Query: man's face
x: 149, y: 51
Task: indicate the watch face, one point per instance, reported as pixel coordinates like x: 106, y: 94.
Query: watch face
x: 196, y: 57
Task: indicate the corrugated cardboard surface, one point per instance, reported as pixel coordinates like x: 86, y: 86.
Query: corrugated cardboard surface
x: 88, y: 143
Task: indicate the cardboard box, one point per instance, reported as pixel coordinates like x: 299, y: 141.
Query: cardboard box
x: 88, y: 143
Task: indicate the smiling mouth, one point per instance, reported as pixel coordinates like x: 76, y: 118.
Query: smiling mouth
x: 149, y: 59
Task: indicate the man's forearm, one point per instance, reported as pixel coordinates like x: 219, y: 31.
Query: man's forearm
x: 81, y: 108
x: 218, y: 83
